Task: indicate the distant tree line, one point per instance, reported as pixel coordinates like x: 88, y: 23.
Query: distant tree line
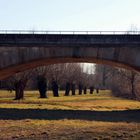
x: 68, y: 77
x: 71, y: 77
x: 122, y: 82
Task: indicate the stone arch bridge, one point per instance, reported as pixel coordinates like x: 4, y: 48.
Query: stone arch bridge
x: 19, y: 52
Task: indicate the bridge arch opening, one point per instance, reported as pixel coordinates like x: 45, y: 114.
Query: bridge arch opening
x: 11, y: 70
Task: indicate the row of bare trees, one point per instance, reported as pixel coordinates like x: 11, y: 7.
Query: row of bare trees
x: 122, y: 82
x: 69, y: 77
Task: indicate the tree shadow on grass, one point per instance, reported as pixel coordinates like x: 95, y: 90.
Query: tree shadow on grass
x: 44, y: 114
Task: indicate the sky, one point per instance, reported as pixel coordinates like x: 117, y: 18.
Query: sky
x: 72, y: 15
x: 80, y: 15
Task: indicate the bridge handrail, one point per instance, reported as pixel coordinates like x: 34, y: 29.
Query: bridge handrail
x: 65, y: 32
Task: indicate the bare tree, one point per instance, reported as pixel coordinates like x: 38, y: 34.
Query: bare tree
x: 120, y: 81
x: 72, y: 77
x: 18, y: 83
x: 41, y: 78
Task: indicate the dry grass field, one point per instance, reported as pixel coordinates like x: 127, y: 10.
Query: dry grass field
x: 81, y: 117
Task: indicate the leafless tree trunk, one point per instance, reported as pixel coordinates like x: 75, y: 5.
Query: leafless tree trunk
x: 19, y: 90
x: 80, y: 89
x: 85, y: 90
x: 73, y: 88
x: 91, y: 89
x: 67, y: 89
x: 132, y: 79
x: 55, y: 88
x: 42, y: 86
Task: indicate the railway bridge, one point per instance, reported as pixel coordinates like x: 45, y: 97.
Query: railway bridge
x: 23, y: 50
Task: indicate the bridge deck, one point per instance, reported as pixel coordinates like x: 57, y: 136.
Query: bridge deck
x: 68, y: 39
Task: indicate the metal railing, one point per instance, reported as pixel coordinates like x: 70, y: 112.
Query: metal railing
x: 67, y: 32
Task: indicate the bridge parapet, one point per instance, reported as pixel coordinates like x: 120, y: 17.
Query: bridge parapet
x: 67, y: 32
x: 68, y: 40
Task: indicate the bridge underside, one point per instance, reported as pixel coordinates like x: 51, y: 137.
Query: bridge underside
x: 22, y: 52
x: 11, y: 70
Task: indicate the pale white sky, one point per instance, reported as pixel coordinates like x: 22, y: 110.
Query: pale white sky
x: 69, y: 14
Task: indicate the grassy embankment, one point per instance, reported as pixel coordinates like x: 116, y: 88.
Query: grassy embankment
x: 97, y: 116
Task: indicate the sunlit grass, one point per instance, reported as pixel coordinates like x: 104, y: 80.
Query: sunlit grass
x: 68, y: 128
x: 102, y: 101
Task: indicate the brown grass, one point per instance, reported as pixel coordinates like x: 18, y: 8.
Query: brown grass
x: 87, y: 117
